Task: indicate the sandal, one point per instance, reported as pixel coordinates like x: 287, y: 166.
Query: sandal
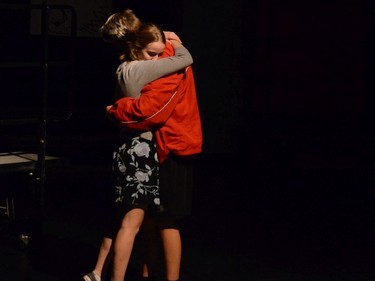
x: 92, y: 276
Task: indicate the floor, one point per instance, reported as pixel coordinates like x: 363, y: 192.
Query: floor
x: 250, y: 222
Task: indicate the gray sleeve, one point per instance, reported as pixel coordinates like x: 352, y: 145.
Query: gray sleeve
x: 139, y: 73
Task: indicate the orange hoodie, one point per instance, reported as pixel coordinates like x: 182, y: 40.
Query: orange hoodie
x: 168, y: 106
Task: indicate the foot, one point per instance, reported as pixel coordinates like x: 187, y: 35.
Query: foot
x: 92, y: 276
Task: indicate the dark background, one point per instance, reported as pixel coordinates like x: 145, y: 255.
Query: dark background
x: 284, y: 187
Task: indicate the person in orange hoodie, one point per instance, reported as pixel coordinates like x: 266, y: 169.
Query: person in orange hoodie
x: 169, y: 107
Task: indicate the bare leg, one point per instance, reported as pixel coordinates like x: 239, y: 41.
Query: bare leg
x: 104, y: 253
x: 172, y: 250
x: 124, y: 242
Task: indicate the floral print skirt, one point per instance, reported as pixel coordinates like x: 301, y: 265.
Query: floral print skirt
x: 136, y: 175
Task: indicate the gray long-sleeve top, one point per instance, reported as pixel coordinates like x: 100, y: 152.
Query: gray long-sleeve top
x: 134, y: 75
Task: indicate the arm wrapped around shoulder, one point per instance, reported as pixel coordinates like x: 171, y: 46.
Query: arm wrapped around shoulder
x: 151, y: 110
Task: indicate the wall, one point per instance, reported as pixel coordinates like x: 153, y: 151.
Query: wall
x: 212, y: 32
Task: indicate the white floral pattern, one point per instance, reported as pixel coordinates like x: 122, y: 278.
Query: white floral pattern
x: 136, y: 173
